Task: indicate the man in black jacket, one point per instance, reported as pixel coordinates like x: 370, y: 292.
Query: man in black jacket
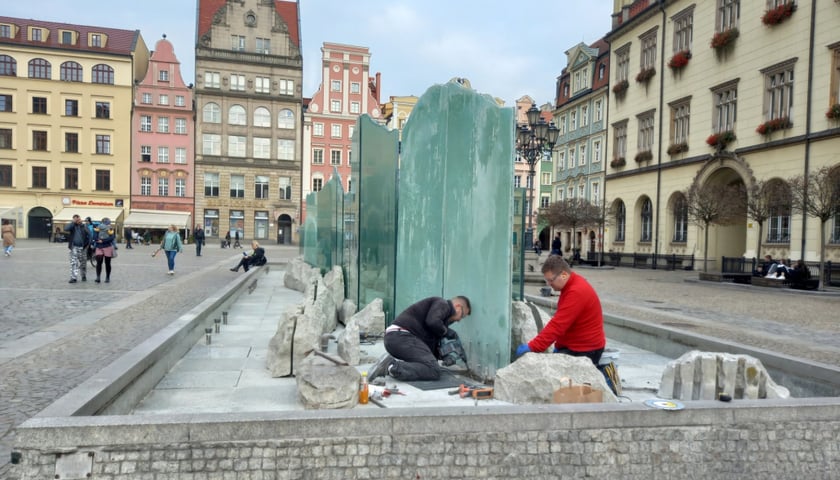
x: 412, y: 340
x: 198, y: 237
x: 78, y: 239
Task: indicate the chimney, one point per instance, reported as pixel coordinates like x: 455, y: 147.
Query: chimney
x: 378, y: 87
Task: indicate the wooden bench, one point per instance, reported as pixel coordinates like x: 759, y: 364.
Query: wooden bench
x: 768, y: 282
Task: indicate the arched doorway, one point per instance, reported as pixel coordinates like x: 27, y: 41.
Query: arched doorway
x: 284, y: 229
x: 729, y: 240
x: 593, y: 248
x: 38, y: 223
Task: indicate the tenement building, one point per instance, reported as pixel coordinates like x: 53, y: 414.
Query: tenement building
x: 248, y: 119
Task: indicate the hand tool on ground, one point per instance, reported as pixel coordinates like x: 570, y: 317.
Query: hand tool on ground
x: 469, y: 391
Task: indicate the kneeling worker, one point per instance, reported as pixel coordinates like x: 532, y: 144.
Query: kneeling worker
x: 412, y: 340
x: 577, y: 327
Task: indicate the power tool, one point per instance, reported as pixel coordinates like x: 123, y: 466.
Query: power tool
x: 450, y: 350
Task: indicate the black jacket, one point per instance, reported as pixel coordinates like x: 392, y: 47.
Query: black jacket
x: 427, y: 320
x: 78, y: 235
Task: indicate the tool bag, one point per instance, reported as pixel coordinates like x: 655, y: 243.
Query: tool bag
x: 570, y: 393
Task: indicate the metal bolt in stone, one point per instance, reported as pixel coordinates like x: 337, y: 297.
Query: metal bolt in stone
x: 218, y: 324
x: 208, y: 335
x: 224, y: 318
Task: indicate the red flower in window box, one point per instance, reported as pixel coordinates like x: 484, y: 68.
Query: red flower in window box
x: 721, y: 140
x: 779, y: 14
x: 621, y: 87
x: 722, y: 40
x: 776, y: 124
x: 680, y: 59
x: 645, y: 75
x: 833, y: 112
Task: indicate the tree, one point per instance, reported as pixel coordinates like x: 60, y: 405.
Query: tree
x: 714, y: 204
x: 571, y: 213
x: 763, y: 197
x: 818, y: 195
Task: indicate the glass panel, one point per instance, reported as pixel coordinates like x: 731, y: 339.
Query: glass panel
x: 520, y: 199
x: 323, y: 228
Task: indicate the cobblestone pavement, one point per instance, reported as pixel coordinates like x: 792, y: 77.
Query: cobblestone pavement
x: 89, y: 325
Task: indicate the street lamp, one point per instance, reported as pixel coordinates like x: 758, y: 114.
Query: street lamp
x: 534, y: 140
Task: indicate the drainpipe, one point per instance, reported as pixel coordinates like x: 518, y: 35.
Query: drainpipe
x: 808, y: 108
x: 661, y: 130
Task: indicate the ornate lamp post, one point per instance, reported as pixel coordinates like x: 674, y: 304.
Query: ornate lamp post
x: 533, y: 141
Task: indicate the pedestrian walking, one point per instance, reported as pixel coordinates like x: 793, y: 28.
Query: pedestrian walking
x: 199, y: 239
x: 104, y: 241
x: 78, y: 240
x: 236, y: 240
x: 226, y: 243
x: 171, y: 244
x: 129, y: 236
x: 8, y: 238
x: 147, y: 237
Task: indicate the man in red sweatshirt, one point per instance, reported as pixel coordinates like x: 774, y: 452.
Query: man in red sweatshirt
x: 577, y: 327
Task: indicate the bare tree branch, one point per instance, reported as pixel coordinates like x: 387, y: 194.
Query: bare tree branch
x: 714, y: 204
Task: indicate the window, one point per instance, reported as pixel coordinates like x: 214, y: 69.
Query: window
x: 95, y: 40
x: 581, y: 191
x: 180, y: 155
x: 596, y: 151
x: 262, y: 85
x: 5, y: 103
x: 261, y: 186
x: 5, y: 31
x: 71, y: 142
x: 163, y: 187
x: 620, y: 140
x: 180, y: 187
x: 620, y: 221
x: 237, y: 218
x: 211, y: 184
x: 36, y: 34
x: 264, y: 45
x: 8, y: 66
x: 145, y: 153
x: 39, y: 140
x: 647, y: 221
x: 163, y: 75
x: 237, y: 115
x: 778, y: 100
x: 646, y: 121
x: 834, y: 92
x: 39, y: 177
x: 572, y: 156
x: 237, y: 43
x: 355, y: 107
x: 237, y: 186
x: 40, y: 68
x: 211, y: 144
x: 317, y: 184
x: 102, y: 74
x: 335, y: 105
x: 318, y: 129
x: 517, y: 181
x: 335, y: 157
x: 335, y: 86
x: 103, y: 144
x: 286, y: 150
x: 262, y: 147
x: 212, y: 80
x: 146, y: 99
x: 648, y: 54
x: 211, y: 222
x: 71, y: 178
x: 622, y: 61
x: 335, y: 130
x: 179, y: 101
x: 163, y: 125
x: 262, y: 117
x: 5, y: 138
x: 561, y: 161
x: 545, y: 200
x: 39, y: 105
x: 582, y: 155
x: 595, y: 192
x: 726, y: 107
x: 355, y: 87
x: 285, y: 188
x: 163, y: 100
x: 584, y: 116
x: 680, y: 220
x: 103, y: 110
x: 145, y: 123
x: 835, y: 231
x: 680, y: 121
x: 602, y: 70
x: 683, y: 30
x: 163, y: 155
x: 728, y: 12
x: 237, y: 145
x: 145, y: 186
x: 778, y: 220
x: 5, y: 175
x: 287, y: 87
x: 71, y: 72
x: 211, y: 113
x: 286, y: 120
x: 573, y: 121
x: 71, y: 108
x: 103, y: 180
x: 181, y: 126
x: 318, y: 156
x: 237, y: 82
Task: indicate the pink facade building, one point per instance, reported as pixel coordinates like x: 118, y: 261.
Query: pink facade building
x: 346, y: 92
x: 162, y: 157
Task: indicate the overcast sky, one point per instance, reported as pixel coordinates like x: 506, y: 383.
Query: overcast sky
x: 505, y: 48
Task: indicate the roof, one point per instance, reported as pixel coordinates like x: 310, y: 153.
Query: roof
x: 287, y: 10
x: 157, y: 219
x: 120, y: 42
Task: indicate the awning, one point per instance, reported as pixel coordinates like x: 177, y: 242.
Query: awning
x: 11, y: 213
x: 95, y: 213
x: 157, y: 219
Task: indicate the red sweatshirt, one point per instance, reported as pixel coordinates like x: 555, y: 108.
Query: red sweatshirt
x: 578, y: 323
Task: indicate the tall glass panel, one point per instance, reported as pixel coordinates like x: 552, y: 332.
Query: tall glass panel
x: 520, y: 196
x: 330, y: 224
x: 455, y: 214
x: 309, y: 233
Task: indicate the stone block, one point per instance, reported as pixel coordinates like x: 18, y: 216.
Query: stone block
x: 322, y: 384
x: 533, y: 378
x: 704, y: 375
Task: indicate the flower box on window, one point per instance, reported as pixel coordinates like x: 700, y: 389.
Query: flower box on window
x: 677, y: 148
x: 645, y: 75
x: 644, y: 156
x: 833, y: 113
x: 777, y: 15
x: 721, y: 140
x: 722, y: 40
x: 776, y: 124
x: 618, y: 162
x: 680, y: 59
x: 621, y: 87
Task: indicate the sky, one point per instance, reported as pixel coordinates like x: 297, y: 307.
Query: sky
x: 504, y: 48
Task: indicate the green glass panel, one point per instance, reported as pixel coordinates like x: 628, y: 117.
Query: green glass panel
x: 310, y: 231
x: 455, y: 213
x: 330, y: 224
x: 517, y: 245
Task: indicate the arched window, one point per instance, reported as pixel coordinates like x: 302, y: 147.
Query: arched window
x: 262, y: 117
x: 212, y: 113
x: 778, y: 220
x: 102, y: 74
x: 40, y: 68
x: 680, y: 219
x: 620, y: 221
x: 647, y: 221
x: 72, y: 72
x: 286, y: 119
x: 237, y: 116
x: 8, y: 66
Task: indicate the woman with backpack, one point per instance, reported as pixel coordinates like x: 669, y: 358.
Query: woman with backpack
x: 104, y: 244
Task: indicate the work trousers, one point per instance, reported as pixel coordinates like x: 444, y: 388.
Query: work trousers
x: 418, y: 362
x: 78, y: 261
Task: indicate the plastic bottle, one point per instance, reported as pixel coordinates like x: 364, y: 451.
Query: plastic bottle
x: 363, y: 389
